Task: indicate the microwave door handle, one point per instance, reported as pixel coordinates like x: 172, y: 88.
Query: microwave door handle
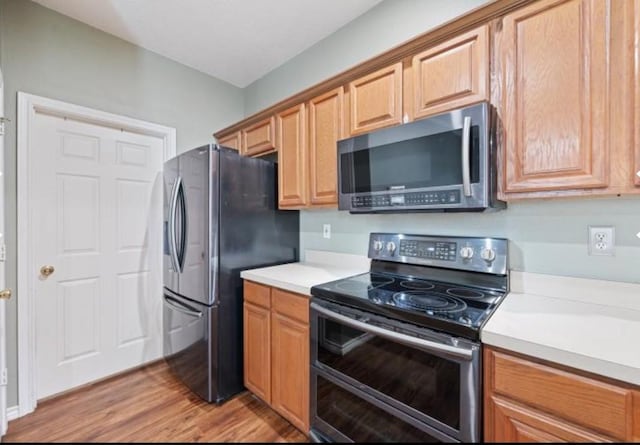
x: 466, y: 168
x: 424, y: 344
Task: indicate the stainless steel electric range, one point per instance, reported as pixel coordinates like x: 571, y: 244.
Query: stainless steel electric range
x: 395, y: 352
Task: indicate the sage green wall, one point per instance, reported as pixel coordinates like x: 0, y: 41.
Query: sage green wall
x: 388, y: 24
x: 546, y: 236
x: 48, y: 54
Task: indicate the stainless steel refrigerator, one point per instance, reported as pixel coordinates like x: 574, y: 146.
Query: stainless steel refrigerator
x: 221, y: 217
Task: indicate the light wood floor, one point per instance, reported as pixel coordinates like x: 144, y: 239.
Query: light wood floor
x: 149, y: 405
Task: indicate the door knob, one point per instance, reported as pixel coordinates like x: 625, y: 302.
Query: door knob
x: 5, y: 294
x: 47, y: 270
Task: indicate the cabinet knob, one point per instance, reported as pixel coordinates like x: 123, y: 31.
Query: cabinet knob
x: 5, y: 294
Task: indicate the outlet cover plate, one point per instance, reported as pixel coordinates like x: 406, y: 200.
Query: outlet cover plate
x: 601, y: 240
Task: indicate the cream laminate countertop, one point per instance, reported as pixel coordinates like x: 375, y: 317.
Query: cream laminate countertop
x: 586, y: 324
x: 318, y: 267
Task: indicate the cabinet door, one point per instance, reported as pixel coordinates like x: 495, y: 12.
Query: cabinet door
x: 555, y: 90
x: 232, y: 141
x: 514, y: 423
x: 257, y: 350
x: 326, y: 120
x: 259, y: 138
x: 453, y: 74
x: 375, y: 101
x: 292, y: 158
x: 290, y: 372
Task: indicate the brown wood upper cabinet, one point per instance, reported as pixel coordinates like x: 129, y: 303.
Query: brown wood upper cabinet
x: 451, y: 75
x: 555, y: 89
x: 375, y: 100
x: 292, y: 157
x: 234, y: 140
x: 534, y: 401
x: 259, y: 138
x: 326, y: 127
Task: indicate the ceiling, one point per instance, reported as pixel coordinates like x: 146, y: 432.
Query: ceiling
x: 238, y: 41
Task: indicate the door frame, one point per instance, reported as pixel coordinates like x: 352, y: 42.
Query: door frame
x: 28, y: 106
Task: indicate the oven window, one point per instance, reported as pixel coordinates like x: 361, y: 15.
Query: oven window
x: 427, y: 161
x: 360, y: 420
x: 418, y: 379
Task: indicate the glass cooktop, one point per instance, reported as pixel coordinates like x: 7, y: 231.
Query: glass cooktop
x: 445, y: 306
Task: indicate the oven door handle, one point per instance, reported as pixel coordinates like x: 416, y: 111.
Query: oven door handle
x: 432, y: 346
x: 466, y: 168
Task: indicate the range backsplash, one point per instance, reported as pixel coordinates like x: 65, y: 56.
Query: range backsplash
x: 546, y: 236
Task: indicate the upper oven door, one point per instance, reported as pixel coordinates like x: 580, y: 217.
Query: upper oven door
x: 441, y: 162
x: 427, y: 378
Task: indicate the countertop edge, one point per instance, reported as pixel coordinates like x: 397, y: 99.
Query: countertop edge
x: 261, y: 279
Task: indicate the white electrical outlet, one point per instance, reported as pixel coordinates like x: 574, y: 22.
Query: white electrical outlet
x: 326, y: 231
x: 601, y: 240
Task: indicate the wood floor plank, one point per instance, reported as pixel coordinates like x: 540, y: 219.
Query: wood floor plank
x: 149, y: 405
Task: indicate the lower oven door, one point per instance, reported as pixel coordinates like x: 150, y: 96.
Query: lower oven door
x: 346, y: 414
x: 431, y: 377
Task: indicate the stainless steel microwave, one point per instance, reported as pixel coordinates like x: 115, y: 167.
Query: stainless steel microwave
x: 441, y: 163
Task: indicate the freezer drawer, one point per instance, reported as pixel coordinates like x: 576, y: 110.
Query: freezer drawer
x: 189, y: 344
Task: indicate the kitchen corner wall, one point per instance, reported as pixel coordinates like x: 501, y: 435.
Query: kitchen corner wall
x: 546, y: 236
x: 48, y: 54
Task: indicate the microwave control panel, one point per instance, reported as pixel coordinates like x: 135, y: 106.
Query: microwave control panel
x: 408, y: 199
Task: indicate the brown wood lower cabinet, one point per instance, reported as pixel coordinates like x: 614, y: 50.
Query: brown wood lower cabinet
x: 528, y: 400
x: 276, y: 350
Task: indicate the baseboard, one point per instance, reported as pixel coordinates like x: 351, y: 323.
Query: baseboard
x: 13, y: 412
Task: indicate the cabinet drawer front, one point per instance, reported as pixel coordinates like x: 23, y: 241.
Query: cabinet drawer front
x: 584, y: 401
x: 257, y: 294
x: 292, y: 305
x: 516, y: 423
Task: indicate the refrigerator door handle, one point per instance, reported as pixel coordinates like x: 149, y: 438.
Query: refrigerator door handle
x: 172, y: 226
x: 181, y: 307
x: 181, y: 197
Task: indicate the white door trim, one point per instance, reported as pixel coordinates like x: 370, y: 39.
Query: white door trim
x: 28, y: 105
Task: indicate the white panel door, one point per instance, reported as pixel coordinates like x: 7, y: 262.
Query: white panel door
x: 96, y: 219
x: 7, y: 292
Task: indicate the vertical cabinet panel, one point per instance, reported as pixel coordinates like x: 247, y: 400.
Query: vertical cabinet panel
x: 556, y: 104
x: 325, y: 129
x: 636, y: 68
x: 234, y: 141
x: 375, y: 100
x: 291, y: 364
x: 292, y: 157
x: 257, y: 350
x: 257, y: 339
x: 259, y: 138
x: 452, y: 75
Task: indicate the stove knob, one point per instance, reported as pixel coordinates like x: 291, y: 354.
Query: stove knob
x: 391, y: 247
x: 466, y: 252
x: 377, y: 245
x: 488, y: 254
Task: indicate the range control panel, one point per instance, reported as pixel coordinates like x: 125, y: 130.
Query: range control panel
x: 487, y: 255
x: 437, y: 250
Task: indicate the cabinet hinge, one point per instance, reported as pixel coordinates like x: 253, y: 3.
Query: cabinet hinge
x: 4, y: 377
x: 3, y: 252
